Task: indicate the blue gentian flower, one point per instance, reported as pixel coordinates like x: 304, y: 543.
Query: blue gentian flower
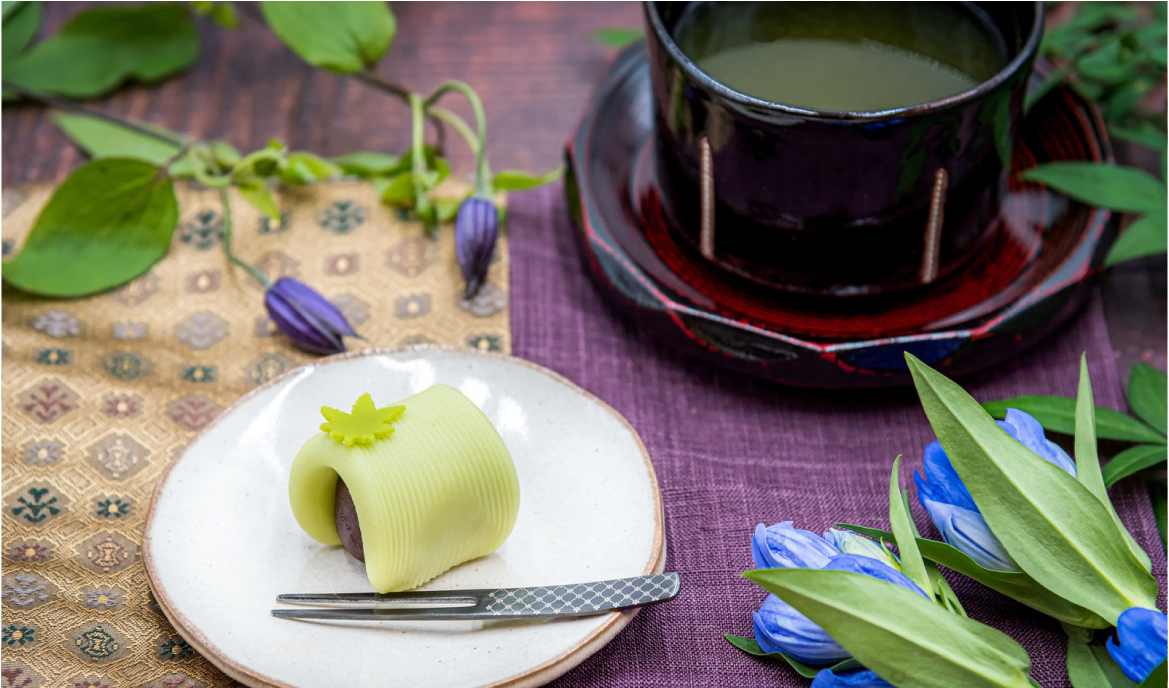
x: 867, y: 566
x: 476, y: 229
x: 1142, y: 644
x: 783, y: 547
x: 309, y: 320
x: 849, y: 679
x: 952, y: 509
x: 780, y: 628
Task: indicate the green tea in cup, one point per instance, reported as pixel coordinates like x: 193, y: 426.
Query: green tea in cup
x: 843, y: 56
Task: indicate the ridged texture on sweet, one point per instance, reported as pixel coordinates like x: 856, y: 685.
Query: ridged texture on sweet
x: 439, y: 491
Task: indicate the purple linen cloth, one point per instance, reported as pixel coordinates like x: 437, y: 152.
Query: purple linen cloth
x: 731, y: 452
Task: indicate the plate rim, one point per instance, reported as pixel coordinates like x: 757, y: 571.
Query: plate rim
x: 535, y: 676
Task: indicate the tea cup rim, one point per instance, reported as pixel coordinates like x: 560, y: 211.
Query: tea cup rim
x: 1025, y: 55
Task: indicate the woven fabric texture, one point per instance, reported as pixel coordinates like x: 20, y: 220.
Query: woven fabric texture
x: 731, y: 452
x: 100, y: 393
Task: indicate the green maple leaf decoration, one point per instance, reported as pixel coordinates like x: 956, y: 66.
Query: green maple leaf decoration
x: 365, y: 424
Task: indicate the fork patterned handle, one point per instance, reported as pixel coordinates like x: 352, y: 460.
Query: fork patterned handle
x: 582, y: 597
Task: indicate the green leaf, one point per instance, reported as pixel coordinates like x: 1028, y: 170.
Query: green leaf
x: 343, y: 37
x: 751, y: 647
x: 897, y: 633
x: 515, y: 180
x: 107, y: 223
x: 1090, y: 666
x: 1133, y: 460
x: 7, y: 7
x: 1052, y: 526
x: 904, y: 533
x: 447, y: 209
x: 222, y: 13
x: 1014, y: 584
x: 1158, y: 498
x: 21, y: 21
x: 103, y: 139
x: 1088, y: 461
x: 1157, y: 678
x: 256, y: 193
x: 99, y: 49
x: 618, y: 37
x: 1147, y: 392
x: 367, y: 164
x: 1145, y: 237
x: 306, y: 168
x: 1058, y: 414
x: 1120, y: 188
x: 397, y: 190
x: 1149, y: 137
x: 943, y: 591
x: 20, y: 25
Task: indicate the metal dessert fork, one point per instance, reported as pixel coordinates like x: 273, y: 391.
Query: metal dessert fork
x: 581, y: 599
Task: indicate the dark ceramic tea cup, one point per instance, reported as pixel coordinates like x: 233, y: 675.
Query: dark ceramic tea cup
x: 830, y: 202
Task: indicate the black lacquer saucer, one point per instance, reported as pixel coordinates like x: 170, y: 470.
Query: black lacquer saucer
x: 1033, y: 274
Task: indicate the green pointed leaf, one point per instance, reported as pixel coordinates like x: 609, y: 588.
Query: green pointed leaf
x: 367, y: 163
x: 904, y: 532
x: 99, y: 49
x: 1058, y: 414
x: 1149, y: 137
x: 222, y: 13
x: 306, y: 168
x: 1110, y: 186
x: 343, y: 37
x: 897, y: 633
x: 515, y: 180
x: 751, y: 647
x: 943, y: 591
x: 1157, y: 678
x: 1088, y: 461
x: 618, y: 37
x: 107, y: 223
x: 1147, y: 390
x: 1134, y: 460
x: 1016, y: 585
x: 103, y: 139
x: 1145, y: 237
x: 21, y: 21
x: 1090, y: 666
x: 8, y: 7
x: 256, y: 193
x: 1052, y: 526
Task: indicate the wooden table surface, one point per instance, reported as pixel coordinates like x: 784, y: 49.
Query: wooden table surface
x: 534, y: 64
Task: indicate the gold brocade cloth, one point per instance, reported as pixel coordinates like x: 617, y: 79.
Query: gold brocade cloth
x: 99, y: 394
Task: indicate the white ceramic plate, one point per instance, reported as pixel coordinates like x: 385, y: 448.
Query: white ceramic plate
x: 221, y: 541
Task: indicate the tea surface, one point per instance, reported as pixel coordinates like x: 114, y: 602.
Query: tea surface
x: 856, y: 56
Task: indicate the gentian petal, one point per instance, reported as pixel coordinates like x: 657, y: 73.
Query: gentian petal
x: 314, y: 303
x: 849, y: 679
x: 302, y: 331
x: 967, y: 531
x: 944, y: 484
x: 1029, y: 433
x: 1143, y: 639
x: 873, y: 568
x: 782, y: 546
x: 779, y: 627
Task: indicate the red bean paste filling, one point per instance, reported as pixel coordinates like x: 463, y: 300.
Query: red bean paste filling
x: 347, y: 526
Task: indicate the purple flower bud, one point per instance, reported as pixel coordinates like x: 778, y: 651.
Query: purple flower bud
x: 476, y: 229
x: 309, y: 320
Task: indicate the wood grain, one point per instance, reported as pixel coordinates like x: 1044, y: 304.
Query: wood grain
x: 534, y: 64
